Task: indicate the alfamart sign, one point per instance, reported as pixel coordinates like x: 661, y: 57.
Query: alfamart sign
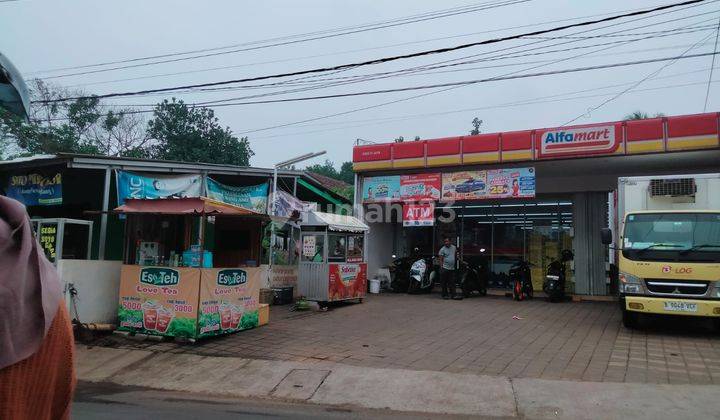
x: 574, y: 141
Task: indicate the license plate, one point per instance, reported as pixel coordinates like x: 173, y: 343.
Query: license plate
x: 680, y: 307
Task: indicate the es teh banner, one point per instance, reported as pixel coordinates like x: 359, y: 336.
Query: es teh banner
x: 35, y: 189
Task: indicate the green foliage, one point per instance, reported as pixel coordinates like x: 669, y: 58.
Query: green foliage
x: 327, y: 169
x: 476, y: 123
x: 641, y: 115
x: 194, y: 135
x: 74, y: 126
x: 346, y: 173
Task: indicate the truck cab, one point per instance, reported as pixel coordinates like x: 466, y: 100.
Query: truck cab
x: 669, y: 263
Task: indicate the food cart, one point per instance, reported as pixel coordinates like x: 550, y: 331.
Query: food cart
x: 190, y: 267
x: 332, y: 263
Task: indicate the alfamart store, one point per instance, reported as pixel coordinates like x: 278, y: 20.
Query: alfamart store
x: 523, y: 194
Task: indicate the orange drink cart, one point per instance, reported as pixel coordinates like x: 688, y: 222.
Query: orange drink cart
x: 190, y: 267
x: 332, y: 262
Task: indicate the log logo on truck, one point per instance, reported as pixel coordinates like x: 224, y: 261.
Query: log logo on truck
x: 577, y: 141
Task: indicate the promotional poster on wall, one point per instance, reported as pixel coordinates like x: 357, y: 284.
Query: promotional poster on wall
x: 381, y: 189
x: 490, y: 184
x: 420, y: 187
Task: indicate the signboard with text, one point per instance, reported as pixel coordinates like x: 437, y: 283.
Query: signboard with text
x: 252, y: 197
x: 490, y: 184
x: 35, y: 189
x: 420, y: 187
x: 579, y: 141
x: 421, y: 214
x: 381, y: 189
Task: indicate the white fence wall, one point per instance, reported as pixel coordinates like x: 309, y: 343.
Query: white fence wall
x: 97, y: 284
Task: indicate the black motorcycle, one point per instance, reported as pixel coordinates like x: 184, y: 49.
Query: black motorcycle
x: 474, y: 276
x: 521, y: 280
x: 400, y: 274
x: 554, y: 284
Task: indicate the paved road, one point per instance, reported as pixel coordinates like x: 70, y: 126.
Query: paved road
x: 570, y: 341
x: 113, y: 402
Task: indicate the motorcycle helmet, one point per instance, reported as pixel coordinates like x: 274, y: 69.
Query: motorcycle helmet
x: 567, y: 255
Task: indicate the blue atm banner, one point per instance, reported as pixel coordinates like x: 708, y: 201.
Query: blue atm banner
x: 35, y: 189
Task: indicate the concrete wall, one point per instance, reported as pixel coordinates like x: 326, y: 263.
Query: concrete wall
x: 379, y: 246
x: 97, y: 284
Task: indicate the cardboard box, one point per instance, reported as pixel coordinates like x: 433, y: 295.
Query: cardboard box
x: 263, y: 314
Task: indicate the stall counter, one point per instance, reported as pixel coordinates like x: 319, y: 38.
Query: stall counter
x: 188, y: 302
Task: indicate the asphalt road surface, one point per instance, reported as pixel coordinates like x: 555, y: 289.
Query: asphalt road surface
x: 113, y: 402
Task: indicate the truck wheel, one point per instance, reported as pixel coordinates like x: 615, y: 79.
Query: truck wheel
x: 630, y: 319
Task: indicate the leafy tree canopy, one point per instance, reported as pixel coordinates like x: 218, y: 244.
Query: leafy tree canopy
x: 194, y: 135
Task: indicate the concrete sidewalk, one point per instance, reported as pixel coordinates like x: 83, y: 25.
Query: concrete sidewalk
x: 331, y: 383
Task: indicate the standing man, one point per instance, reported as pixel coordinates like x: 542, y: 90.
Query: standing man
x: 447, y: 255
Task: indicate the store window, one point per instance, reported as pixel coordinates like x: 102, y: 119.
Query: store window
x: 496, y: 236
x: 336, y: 248
x: 313, y: 248
x: 355, y: 248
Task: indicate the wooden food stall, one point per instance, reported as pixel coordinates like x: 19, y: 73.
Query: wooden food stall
x: 169, y: 285
x: 332, y: 263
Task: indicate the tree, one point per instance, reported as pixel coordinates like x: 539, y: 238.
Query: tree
x: 327, y: 169
x: 75, y: 126
x: 347, y: 174
x: 641, y: 115
x: 476, y: 123
x: 194, y: 135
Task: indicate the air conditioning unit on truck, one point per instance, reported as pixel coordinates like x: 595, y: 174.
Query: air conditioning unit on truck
x: 668, y: 246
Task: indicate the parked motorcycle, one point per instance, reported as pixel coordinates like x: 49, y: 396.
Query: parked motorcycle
x: 474, y: 276
x: 422, y: 276
x: 521, y: 280
x: 400, y: 274
x: 554, y: 284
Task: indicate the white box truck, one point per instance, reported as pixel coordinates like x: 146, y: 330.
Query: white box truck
x: 668, y: 246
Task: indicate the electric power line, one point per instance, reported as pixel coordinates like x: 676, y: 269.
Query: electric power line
x: 707, y: 93
x: 333, y: 53
x: 639, y: 82
x: 284, y: 43
x: 397, y: 57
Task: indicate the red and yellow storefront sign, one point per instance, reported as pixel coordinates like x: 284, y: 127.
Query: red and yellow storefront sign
x: 654, y: 135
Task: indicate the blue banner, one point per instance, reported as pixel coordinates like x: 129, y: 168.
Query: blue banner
x: 381, y: 188
x: 132, y: 185
x: 35, y: 189
x: 253, y: 197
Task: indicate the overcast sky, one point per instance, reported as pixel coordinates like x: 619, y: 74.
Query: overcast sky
x: 45, y: 35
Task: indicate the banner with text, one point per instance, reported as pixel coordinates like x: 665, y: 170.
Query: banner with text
x: 36, y: 189
x: 253, y: 197
x: 420, y: 187
x: 381, y: 188
x: 132, y: 185
x: 422, y: 214
x: 495, y: 183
